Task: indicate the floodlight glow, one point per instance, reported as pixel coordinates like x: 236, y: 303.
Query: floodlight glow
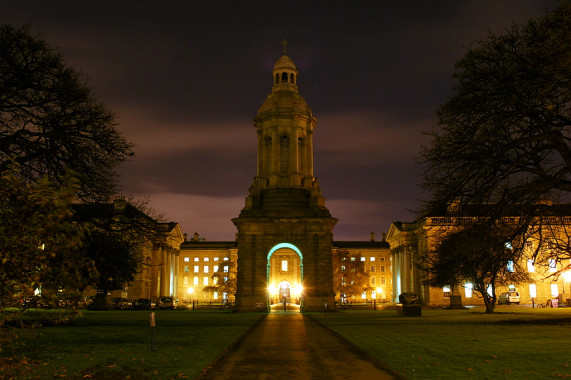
x: 190, y: 290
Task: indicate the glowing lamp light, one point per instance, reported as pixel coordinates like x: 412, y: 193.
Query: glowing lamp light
x: 190, y: 290
x: 297, y: 290
x: 272, y: 289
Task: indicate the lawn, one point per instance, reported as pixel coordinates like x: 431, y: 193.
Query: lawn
x: 513, y: 343
x: 117, y: 344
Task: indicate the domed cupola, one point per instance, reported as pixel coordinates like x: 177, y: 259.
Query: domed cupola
x: 285, y: 74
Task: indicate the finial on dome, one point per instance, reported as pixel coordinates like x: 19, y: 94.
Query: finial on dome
x: 285, y: 43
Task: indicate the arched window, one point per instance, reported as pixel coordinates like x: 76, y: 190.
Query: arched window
x: 291, y: 78
x: 284, y: 153
x: 284, y: 77
x: 277, y: 80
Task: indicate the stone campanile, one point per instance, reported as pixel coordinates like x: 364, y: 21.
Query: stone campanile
x: 285, y: 208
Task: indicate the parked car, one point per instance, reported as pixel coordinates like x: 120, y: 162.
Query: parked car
x: 142, y: 304
x: 168, y: 303
x: 509, y: 298
x: 120, y: 303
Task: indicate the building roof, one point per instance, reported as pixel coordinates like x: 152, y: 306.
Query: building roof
x: 361, y: 244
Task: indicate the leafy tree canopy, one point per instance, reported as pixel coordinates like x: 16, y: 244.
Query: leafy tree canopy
x: 50, y: 121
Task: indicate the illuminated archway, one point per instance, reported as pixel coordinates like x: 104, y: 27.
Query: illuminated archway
x: 285, y: 280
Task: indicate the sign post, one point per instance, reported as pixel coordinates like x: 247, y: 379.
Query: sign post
x: 152, y: 331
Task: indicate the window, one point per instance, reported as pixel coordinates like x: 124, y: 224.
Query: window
x: 225, y: 268
x: 468, y: 290
x: 364, y: 295
x: 206, y: 269
x: 382, y: 259
x: 372, y: 268
x: 215, y: 281
x: 186, y: 259
x: 372, y: 258
x: 530, y: 265
x: 205, y: 281
x: 382, y: 268
x: 554, y: 290
x: 510, y: 266
x: 196, y: 269
x: 216, y: 259
x: 206, y: 259
x: 446, y: 290
x: 215, y: 268
x: 196, y: 259
x: 373, y: 294
x: 185, y: 280
x: 552, y: 265
x: 352, y: 259
x: 195, y: 281
x: 284, y: 265
x: 489, y: 290
x: 383, y: 281
x: 343, y: 268
x: 373, y: 281
x: 284, y: 153
x: 532, y: 290
x: 215, y: 295
x: 225, y: 259
x: 186, y: 269
x: 362, y: 259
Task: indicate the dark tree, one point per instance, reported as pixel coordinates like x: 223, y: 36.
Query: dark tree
x: 118, y: 235
x: 349, y: 275
x: 503, y: 137
x: 477, y: 254
x: 223, y: 280
x: 50, y: 121
x: 38, y: 239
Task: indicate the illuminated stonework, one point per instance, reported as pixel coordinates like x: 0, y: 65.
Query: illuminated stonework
x: 284, y: 205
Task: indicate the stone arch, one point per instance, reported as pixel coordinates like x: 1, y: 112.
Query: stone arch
x: 299, y: 292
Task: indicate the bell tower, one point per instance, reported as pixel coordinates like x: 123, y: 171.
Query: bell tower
x: 284, y: 207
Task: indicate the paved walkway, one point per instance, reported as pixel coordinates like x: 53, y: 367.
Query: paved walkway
x: 287, y: 345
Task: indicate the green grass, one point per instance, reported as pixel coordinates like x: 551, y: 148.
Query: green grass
x: 118, y: 345
x: 514, y: 343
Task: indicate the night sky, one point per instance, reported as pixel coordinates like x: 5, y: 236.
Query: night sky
x: 186, y: 79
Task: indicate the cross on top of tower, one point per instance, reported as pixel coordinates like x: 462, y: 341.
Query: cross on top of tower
x: 284, y: 44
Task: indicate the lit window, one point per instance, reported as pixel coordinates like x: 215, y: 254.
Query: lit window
x: 215, y: 280
x: 196, y: 259
x: 195, y: 281
x: 185, y: 281
x: 352, y: 259
x: 215, y: 268
x: 508, y: 245
x: 468, y: 290
x: 530, y: 266
x: 284, y: 265
x: 226, y: 268
x: 490, y: 290
x: 532, y: 290
x: 215, y: 296
x: 196, y: 269
x: 206, y: 269
x: 205, y: 281
x: 225, y: 259
x: 206, y: 259
x: 362, y: 259
x: 342, y: 267
x: 216, y: 259
x: 510, y: 266
x: 364, y: 295
x: 446, y: 290
x: 552, y: 265
x: 186, y: 269
x: 372, y: 259
x: 554, y: 290
x: 373, y: 294
x: 186, y: 259
x: 511, y: 287
x: 372, y: 268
